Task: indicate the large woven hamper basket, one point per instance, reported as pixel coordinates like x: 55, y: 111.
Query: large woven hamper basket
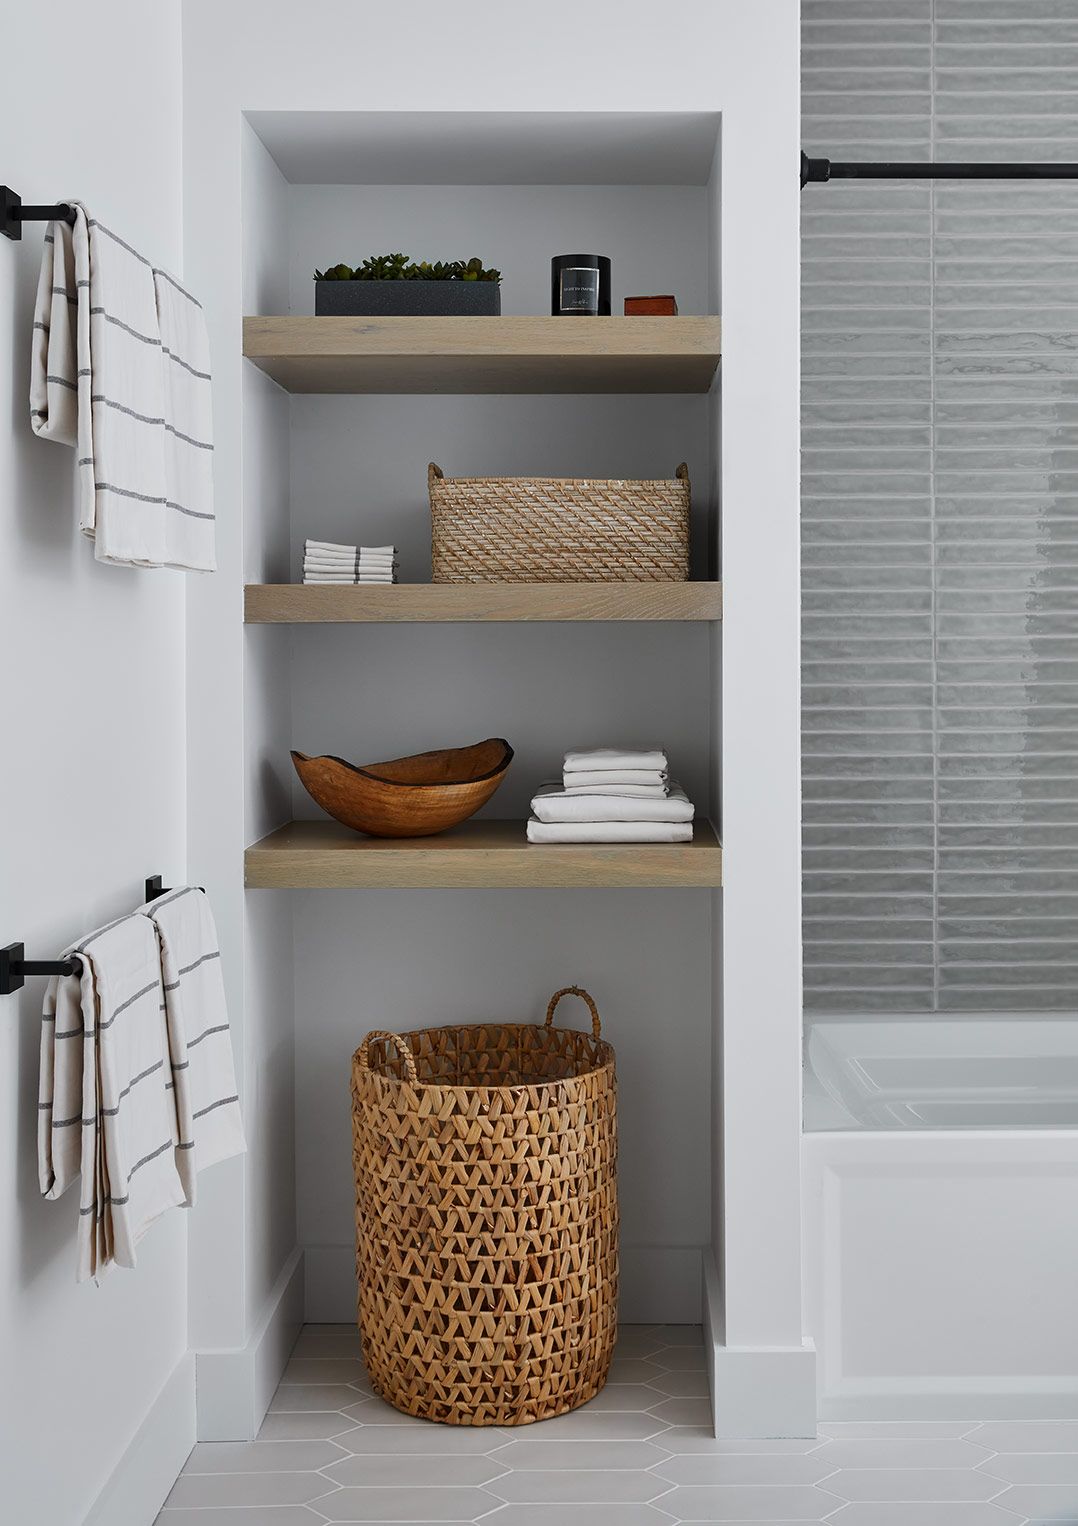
x: 558, y: 529
x: 487, y: 1218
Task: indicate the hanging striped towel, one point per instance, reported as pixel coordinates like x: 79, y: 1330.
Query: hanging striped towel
x: 200, y: 1042
x: 120, y: 369
x: 106, y: 1116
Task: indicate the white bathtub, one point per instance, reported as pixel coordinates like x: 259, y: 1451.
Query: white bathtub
x: 941, y: 1217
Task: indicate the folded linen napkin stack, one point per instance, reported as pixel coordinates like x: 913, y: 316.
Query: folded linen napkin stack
x: 612, y: 795
x: 326, y: 561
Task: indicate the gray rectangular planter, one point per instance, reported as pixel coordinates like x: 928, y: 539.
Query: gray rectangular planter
x: 403, y: 299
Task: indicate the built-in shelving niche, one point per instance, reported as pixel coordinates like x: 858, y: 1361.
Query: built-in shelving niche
x: 340, y: 423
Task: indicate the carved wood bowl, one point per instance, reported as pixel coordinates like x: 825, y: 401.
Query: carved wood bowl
x: 407, y: 797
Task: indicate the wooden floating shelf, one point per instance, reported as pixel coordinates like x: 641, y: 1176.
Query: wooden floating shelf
x: 314, y: 855
x: 299, y: 604
x: 486, y: 354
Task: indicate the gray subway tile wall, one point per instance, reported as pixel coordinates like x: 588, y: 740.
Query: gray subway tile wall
x: 940, y: 513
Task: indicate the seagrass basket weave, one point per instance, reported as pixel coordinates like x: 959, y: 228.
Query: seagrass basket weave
x: 487, y: 1217
x: 558, y: 529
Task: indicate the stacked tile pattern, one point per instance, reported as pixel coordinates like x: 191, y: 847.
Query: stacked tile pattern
x: 940, y: 512
x: 640, y: 1454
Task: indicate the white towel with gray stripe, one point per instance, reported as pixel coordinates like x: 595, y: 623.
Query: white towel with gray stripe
x: 106, y: 1114
x: 120, y: 369
x: 200, y: 1042
x: 330, y: 562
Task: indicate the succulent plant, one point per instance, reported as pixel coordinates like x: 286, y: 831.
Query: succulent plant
x: 398, y: 267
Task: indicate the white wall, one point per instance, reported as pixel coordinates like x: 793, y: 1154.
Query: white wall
x: 373, y: 959
x: 92, y: 769
x: 270, y: 1227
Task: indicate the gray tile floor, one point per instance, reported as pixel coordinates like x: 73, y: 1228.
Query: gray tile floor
x: 640, y: 1454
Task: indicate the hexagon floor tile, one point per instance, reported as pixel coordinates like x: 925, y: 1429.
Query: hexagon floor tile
x: 641, y: 1454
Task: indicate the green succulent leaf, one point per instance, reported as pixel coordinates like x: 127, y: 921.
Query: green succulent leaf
x: 398, y: 267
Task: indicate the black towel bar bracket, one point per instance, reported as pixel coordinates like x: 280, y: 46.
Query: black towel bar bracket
x: 14, y: 966
x: 13, y: 214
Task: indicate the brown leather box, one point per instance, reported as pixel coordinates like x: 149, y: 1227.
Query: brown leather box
x: 660, y: 307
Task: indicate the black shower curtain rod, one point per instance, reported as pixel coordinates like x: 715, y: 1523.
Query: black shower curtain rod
x: 815, y: 171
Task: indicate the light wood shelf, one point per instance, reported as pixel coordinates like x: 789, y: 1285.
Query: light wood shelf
x: 309, y: 855
x: 510, y: 354
x: 297, y: 604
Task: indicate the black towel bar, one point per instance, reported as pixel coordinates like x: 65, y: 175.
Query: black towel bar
x: 13, y: 214
x: 14, y: 966
x: 820, y: 171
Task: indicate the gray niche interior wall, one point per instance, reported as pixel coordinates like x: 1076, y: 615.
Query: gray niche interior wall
x: 402, y: 959
x: 940, y: 513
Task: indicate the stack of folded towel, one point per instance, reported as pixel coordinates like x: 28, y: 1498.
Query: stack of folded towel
x: 325, y: 561
x: 611, y: 795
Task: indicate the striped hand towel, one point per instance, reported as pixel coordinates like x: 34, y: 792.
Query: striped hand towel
x: 120, y: 369
x: 106, y: 1117
x: 200, y: 1043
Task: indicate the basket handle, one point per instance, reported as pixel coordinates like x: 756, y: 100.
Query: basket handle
x: 574, y: 991
x: 398, y: 1043
x: 434, y: 474
x: 682, y: 473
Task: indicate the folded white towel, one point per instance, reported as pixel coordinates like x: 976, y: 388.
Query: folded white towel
x: 552, y: 803
x: 120, y: 369
x: 347, y: 557
x: 613, y: 760
x: 609, y: 831
x: 341, y: 577
x: 106, y: 1114
x: 647, y: 778
x: 200, y: 1041
x: 357, y: 564
x: 348, y: 553
x: 337, y: 546
x: 324, y: 559
x: 636, y: 791
x: 349, y: 575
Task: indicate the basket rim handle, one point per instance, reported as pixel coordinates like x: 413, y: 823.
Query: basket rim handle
x: 596, y: 1026
x: 402, y: 1048
x: 682, y: 473
x: 434, y: 473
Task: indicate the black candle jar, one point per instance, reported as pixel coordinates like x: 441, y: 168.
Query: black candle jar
x: 580, y: 285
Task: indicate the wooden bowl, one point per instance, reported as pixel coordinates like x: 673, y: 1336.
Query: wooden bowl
x: 407, y: 797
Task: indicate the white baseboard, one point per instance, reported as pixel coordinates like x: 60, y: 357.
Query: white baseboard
x: 150, y: 1464
x: 982, y: 1398
x: 757, y: 1392
x: 659, y: 1285
x: 234, y: 1387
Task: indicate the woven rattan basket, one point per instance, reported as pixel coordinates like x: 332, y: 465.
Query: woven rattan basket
x: 558, y: 529
x: 487, y: 1218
